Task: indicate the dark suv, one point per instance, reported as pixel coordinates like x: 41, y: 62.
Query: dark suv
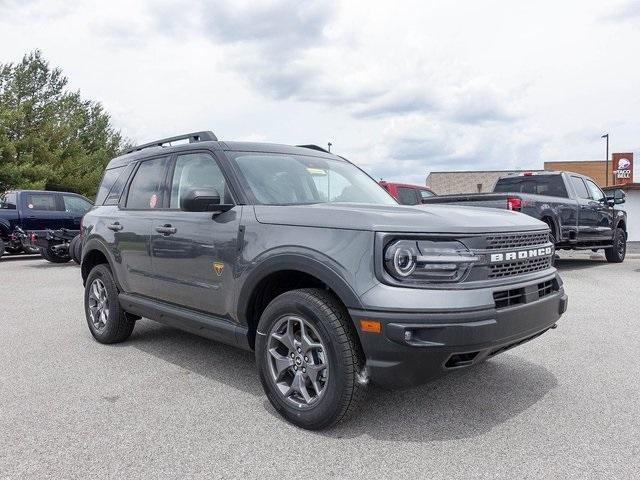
x: 300, y: 255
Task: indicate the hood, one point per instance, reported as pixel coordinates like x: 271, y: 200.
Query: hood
x: 398, y: 218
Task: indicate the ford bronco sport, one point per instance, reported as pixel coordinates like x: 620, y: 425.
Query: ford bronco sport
x: 299, y: 255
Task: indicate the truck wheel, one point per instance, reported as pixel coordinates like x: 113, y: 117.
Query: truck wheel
x: 13, y: 250
x: 1, y: 247
x: 54, y: 257
x: 308, y: 358
x: 107, y: 321
x: 30, y: 250
x: 78, y: 250
x: 73, y: 250
x: 617, y: 252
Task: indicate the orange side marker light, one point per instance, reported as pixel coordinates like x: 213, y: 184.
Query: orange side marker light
x: 371, y: 326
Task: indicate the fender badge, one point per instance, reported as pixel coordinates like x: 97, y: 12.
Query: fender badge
x: 219, y: 268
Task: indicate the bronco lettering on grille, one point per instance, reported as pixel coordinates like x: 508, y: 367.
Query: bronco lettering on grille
x: 521, y: 254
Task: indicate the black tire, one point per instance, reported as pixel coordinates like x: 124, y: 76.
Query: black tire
x: 1, y: 247
x: 618, y: 251
x: 343, y: 389
x: 73, y: 251
x: 53, y: 257
x: 78, y: 250
x: 13, y: 250
x: 119, y: 324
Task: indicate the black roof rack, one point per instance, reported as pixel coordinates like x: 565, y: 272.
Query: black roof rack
x: 192, y: 137
x: 314, y: 147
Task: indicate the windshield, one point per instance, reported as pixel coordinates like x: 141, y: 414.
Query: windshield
x: 283, y: 179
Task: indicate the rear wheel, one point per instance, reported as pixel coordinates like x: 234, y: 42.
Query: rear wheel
x: 73, y: 249
x: 107, y: 321
x: 53, y: 256
x: 30, y: 250
x: 1, y: 247
x: 618, y: 251
x: 13, y: 250
x: 308, y: 358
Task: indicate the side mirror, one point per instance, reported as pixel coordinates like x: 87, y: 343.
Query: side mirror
x: 203, y: 200
x: 619, y: 196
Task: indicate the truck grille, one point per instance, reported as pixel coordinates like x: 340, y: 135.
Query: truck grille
x: 519, y: 267
x: 516, y: 240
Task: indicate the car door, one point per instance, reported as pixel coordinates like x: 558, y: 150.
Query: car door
x: 75, y: 207
x: 587, y: 215
x: 603, y: 212
x: 42, y: 211
x: 194, y: 253
x: 131, y: 224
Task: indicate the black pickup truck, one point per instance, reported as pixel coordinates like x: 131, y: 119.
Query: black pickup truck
x: 37, y: 220
x: 577, y: 211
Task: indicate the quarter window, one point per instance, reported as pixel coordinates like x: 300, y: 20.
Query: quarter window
x: 196, y: 171
x: 145, y: 191
x: 424, y: 194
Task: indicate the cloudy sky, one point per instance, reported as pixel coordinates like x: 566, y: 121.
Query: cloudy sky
x: 401, y: 88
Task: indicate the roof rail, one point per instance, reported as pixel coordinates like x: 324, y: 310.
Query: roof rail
x: 192, y: 137
x: 314, y: 147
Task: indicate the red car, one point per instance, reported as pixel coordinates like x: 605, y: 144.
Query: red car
x: 407, y: 194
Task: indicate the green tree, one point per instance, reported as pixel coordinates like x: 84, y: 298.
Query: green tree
x: 50, y: 138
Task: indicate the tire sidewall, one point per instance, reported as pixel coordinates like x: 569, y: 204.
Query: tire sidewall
x: 326, y: 408
x: 620, y: 239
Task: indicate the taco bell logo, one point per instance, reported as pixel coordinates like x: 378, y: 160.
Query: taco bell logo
x: 623, y: 164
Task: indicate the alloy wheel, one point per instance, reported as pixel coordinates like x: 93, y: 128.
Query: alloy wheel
x: 98, y: 305
x: 297, y: 361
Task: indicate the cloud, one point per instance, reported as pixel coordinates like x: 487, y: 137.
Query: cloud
x: 627, y: 11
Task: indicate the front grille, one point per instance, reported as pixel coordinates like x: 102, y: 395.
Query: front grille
x: 546, y: 288
x: 508, y: 298
x: 516, y: 240
x: 519, y: 267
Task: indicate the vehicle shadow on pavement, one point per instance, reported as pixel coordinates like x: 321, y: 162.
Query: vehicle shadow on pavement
x: 46, y: 265
x: 232, y: 366
x: 17, y: 258
x: 462, y: 404
x: 571, y: 264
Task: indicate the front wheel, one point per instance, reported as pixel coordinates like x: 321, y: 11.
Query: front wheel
x: 618, y: 251
x: 309, y: 360
x: 107, y: 321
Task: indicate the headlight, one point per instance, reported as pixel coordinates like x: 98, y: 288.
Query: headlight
x: 428, y: 261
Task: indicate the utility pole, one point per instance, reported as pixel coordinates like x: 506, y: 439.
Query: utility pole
x: 606, y: 135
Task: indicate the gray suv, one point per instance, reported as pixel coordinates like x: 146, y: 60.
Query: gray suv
x: 299, y: 255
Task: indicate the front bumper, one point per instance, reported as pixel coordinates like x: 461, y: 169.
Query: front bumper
x: 415, y: 347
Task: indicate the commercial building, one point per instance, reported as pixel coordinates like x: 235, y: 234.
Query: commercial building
x: 471, y: 181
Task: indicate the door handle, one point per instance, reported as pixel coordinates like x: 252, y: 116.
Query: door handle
x: 116, y: 227
x: 166, y: 230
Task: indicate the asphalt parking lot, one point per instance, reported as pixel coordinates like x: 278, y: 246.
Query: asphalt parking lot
x: 167, y: 404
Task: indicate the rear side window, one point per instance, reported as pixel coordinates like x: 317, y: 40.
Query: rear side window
x: 110, y: 177
x: 581, y: 189
x: 41, y: 201
x: 550, y: 185
x: 145, y: 191
x: 407, y: 196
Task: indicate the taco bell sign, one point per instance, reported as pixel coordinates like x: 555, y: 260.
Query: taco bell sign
x: 622, y: 168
